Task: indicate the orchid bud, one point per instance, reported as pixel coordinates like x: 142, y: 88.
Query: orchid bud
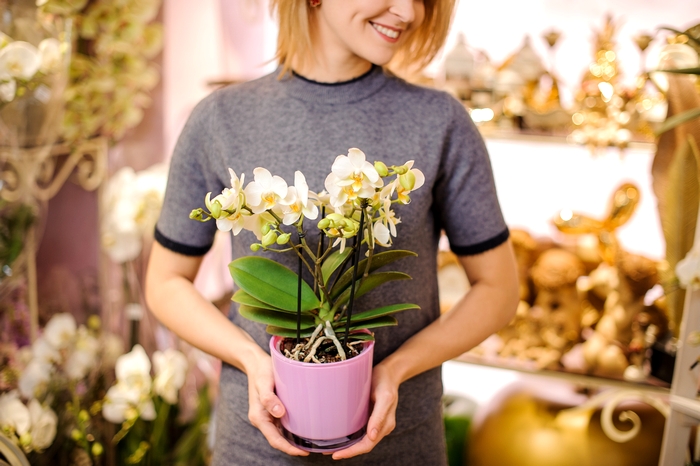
x: 408, y: 180
x: 284, y: 238
x: 196, y: 214
x: 83, y: 415
x: 97, y: 449
x: 255, y: 247
x: 94, y: 322
x: 269, y: 238
x: 401, y: 169
x: 215, y: 209
x: 266, y: 229
x: 324, y: 223
x: 381, y: 168
x: 25, y: 439
x: 76, y: 435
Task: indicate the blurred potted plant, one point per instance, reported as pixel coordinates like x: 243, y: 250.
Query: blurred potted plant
x: 318, y: 343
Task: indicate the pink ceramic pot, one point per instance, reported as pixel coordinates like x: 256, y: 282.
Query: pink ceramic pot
x: 327, y: 404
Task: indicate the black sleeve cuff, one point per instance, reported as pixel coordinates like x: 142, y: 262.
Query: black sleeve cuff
x: 180, y: 248
x: 483, y: 246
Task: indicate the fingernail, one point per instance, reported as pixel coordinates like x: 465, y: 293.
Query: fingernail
x: 276, y: 410
x: 373, y: 434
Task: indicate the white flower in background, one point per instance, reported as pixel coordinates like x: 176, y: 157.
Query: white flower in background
x: 41, y: 2
x: 20, y: 60
x: 130, y: 208
x: 688, y: 269
x: 131, y: 395
x: 35, y: 378
x: 352, y: 177
x: 43, y: 425
x: 170, y: 369
x: 4, y: 39
x: 265, y: 192
x: 84, y: 355
x: 45, y: 352
x: 14, y: 416
x: 50, y: 53
x: 112, y: 348
x: 8, y: 88
x: 298, y: 202
x: 60, y: 330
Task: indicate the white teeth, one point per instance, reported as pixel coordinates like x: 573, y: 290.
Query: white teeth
x: 386, y: 31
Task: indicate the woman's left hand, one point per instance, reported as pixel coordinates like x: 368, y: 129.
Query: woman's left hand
x: 385, y: 397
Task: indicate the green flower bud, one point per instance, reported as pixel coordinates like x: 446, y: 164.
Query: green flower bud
x: 94, y: 322
x: 97, y: 449
x: 336, y: 220
x: 266, y: 228
x: 283, y: 239
x: 381, y: 168
x: 324, y: 223
x: 196, y: 214
x: 83, y: 415
x: 400, y: 170
x: 269, y: 238
x: 25, y: 439
x: 216, y: 209
x: 408, y: 180
x: 76, y: 435
x: 255, y: 247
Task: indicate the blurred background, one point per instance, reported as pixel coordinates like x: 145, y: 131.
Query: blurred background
x: 594, y: 153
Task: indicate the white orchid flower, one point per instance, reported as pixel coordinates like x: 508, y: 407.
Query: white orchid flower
x: 298, y: 201
x: 255, y: 223
x: 4, y: 39
x: 134, y: 369
x: 265, y: 192
x: 409, y: 182
x: 84, y: 356
x: 170, y: 369
x: 50, y: 55
x: 45, y: 352
x: 352, y: 177
x: 35, y: 378
x: 385, y: 226
x: 13, y: 414
x: 60, y: 330
x: 20, y: 60
x: 381, y: 234
x: 123, y: 402
x: 43, y: 425
x: 8, y: 89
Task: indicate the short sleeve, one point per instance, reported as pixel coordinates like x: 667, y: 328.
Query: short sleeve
x: 190, y: 178
x: 465, y: 193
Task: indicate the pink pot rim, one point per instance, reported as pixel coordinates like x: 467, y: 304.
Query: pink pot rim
x: 277, y: 354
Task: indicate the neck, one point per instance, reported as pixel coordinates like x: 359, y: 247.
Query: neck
x: 328, y: 62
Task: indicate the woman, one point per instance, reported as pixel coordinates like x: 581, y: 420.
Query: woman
x: 332, y: 93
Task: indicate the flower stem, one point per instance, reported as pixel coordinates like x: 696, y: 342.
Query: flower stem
x: 355, y: 265
x: 301, y: 268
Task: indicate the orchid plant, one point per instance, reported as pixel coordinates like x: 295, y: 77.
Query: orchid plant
x: 356, y: 204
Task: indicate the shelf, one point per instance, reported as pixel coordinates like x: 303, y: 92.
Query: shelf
x: 688, y: 406
x: 652, y: 385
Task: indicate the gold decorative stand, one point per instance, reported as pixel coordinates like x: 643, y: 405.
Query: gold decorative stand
x: 33, y: 175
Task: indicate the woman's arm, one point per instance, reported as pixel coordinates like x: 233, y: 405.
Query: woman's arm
x: 489, y: 305
x: 173, y: 299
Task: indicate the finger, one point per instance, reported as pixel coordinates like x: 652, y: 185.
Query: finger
x: 275, y: 439
x: 363, y: 446
x: 271, y: 403
x: 382, y: 420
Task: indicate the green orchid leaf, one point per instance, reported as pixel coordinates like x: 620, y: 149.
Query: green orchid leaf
x: 677, y: 120
x: 361, y: 336
x: 681, y: 71
x: 241, y: 297
x: 332, y: 262
x: 370, y: 283
x: 378, y: 260
x: 384, y: 321
x: 285, y: 332
x: 271, y: 283
x: 381, y: 311
x: 276, y: 318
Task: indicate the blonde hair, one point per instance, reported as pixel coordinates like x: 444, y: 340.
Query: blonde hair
x: 420, y: 48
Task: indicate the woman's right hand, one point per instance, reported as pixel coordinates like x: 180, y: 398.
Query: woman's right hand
x: 264, y: 406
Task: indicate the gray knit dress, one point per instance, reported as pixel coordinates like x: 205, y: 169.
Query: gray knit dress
x: 295, y: 124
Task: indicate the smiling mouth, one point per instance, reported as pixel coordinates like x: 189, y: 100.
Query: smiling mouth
x: 392, y: 34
